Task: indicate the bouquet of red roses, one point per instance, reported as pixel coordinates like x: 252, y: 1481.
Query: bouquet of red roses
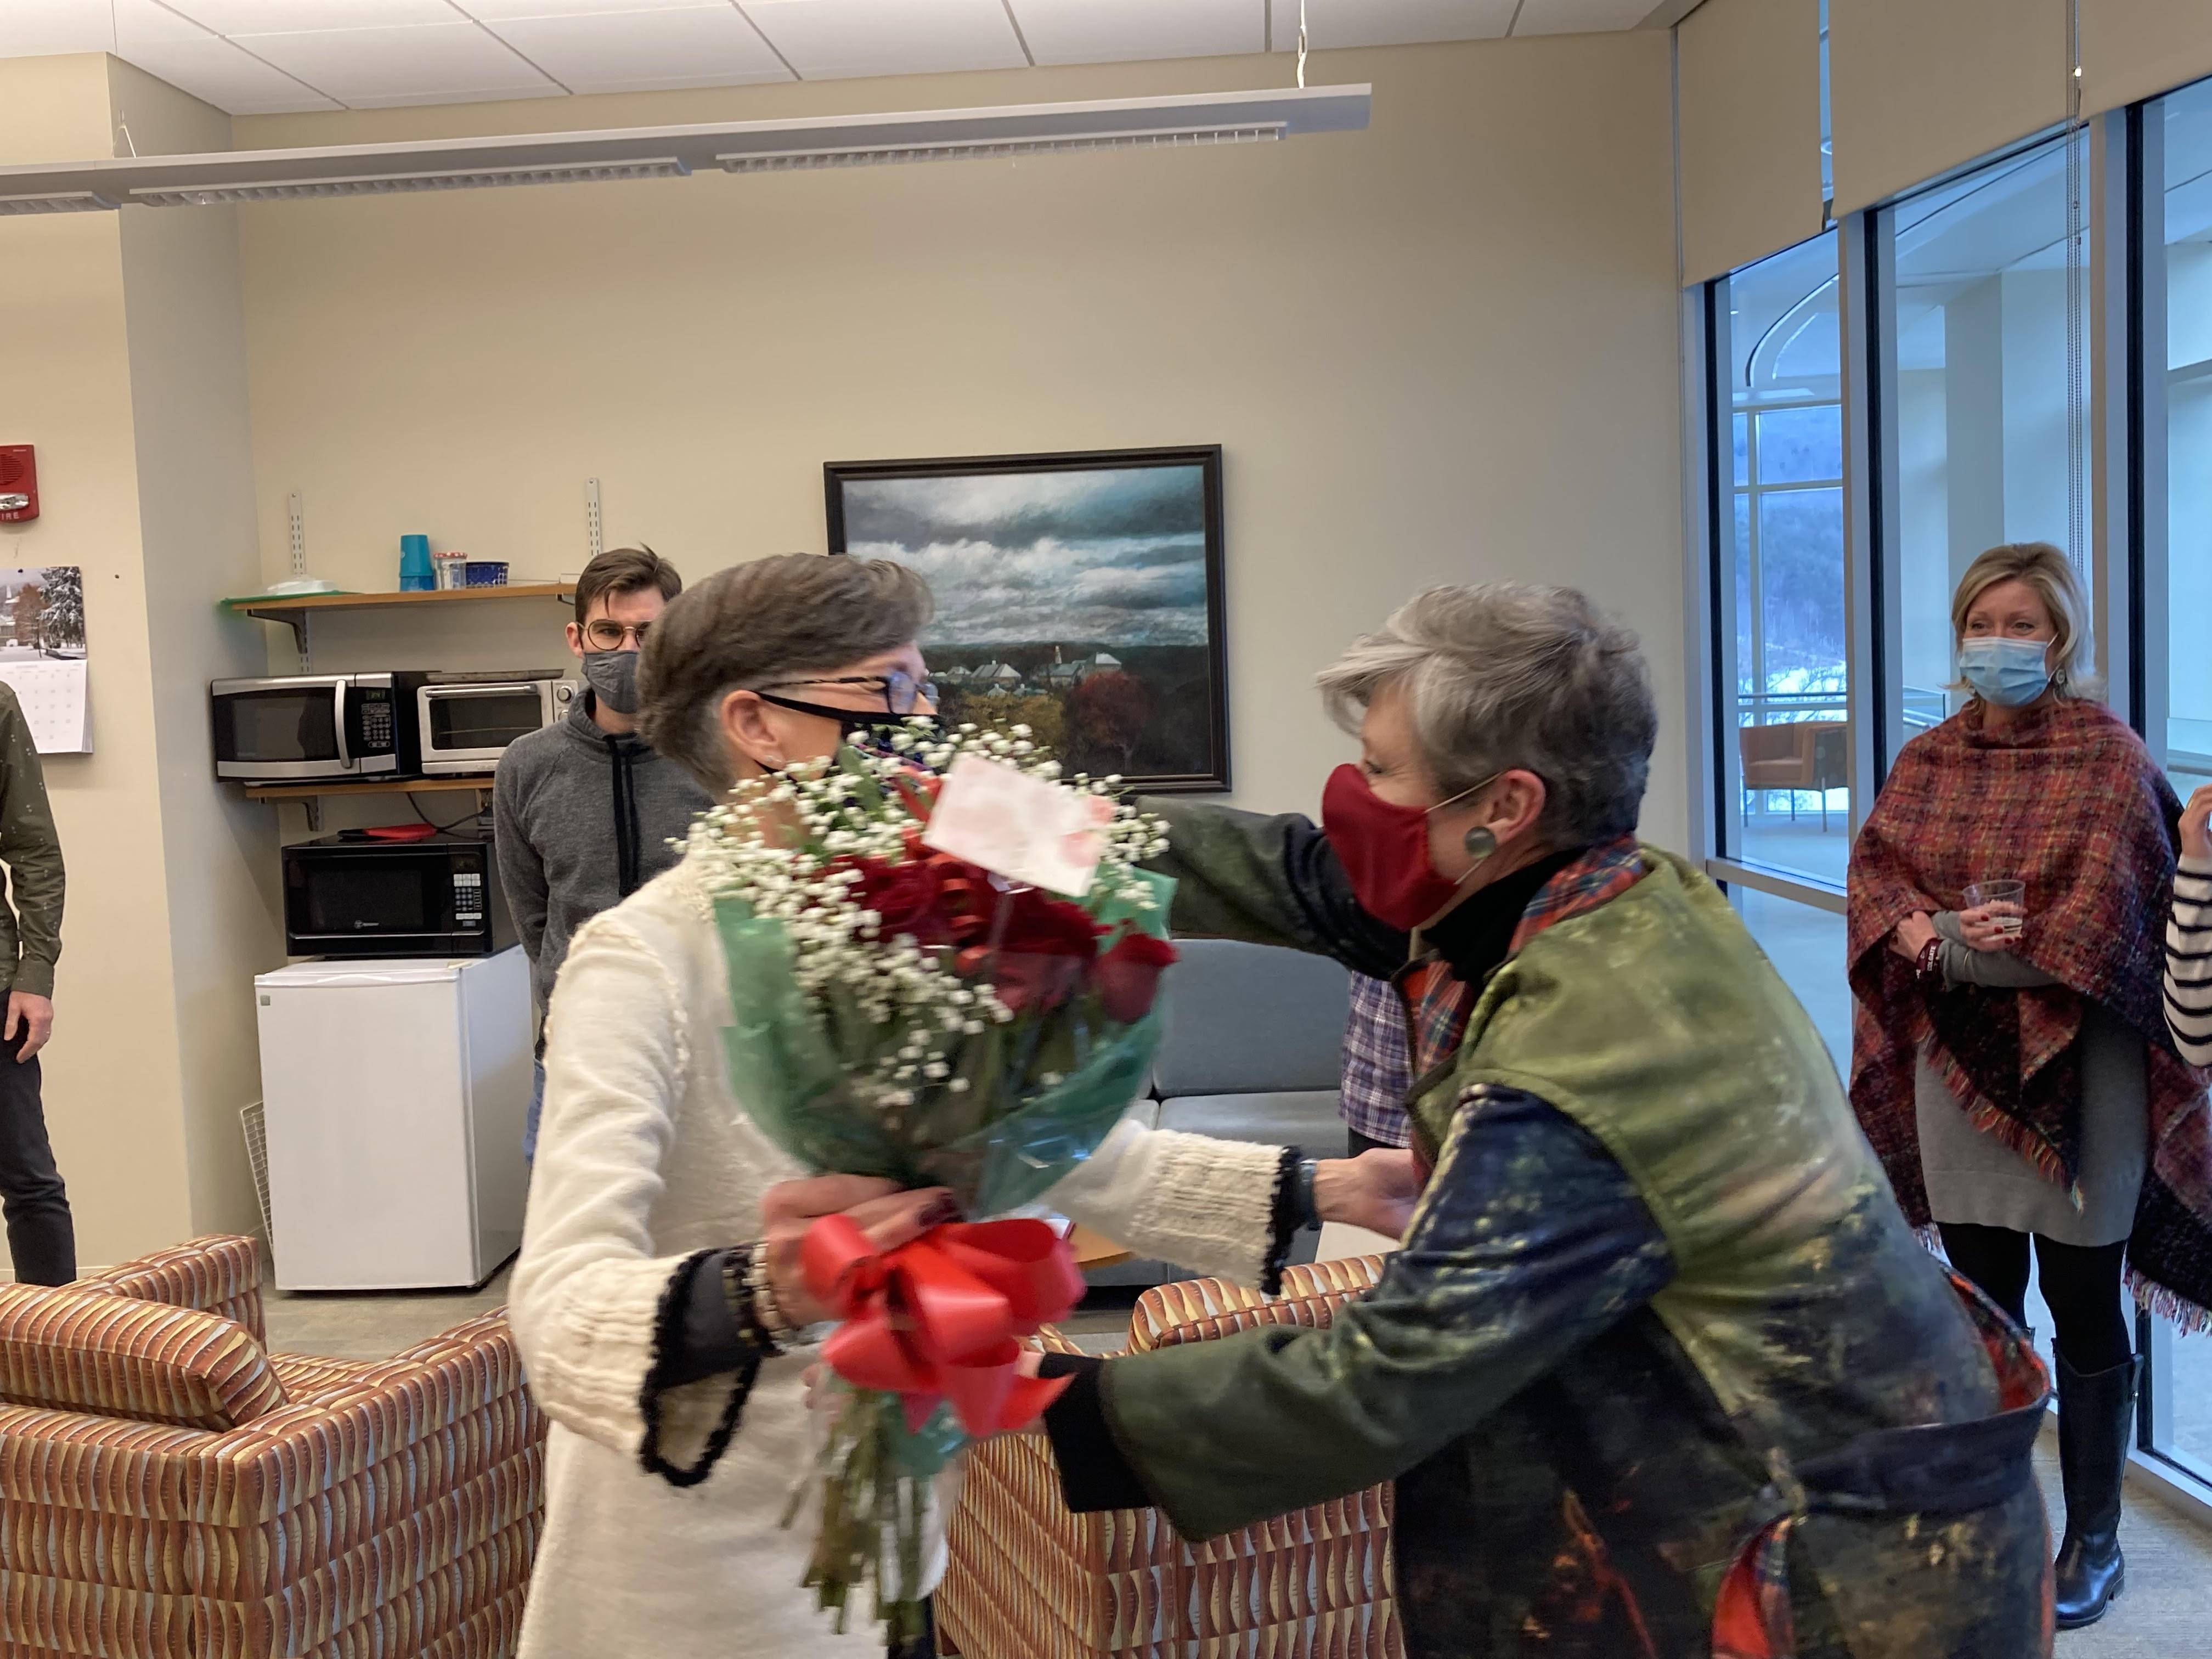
x: 901, y: 1011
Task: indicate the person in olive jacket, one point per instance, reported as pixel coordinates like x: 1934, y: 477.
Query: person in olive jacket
x: 41, y: 1237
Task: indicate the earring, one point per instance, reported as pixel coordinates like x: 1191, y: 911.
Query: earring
x: 1480, y: 842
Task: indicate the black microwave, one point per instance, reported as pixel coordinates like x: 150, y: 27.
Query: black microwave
x: 434, y: 897
x: 302, y: 728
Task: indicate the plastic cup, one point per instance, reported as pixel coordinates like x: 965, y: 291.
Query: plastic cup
x: 2005, y: 901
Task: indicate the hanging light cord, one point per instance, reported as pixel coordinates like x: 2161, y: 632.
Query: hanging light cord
x: 1302, y: 42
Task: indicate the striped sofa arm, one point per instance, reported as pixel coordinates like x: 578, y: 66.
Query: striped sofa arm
x: 397, y: 1514
x: 1026, y: 1577
x: 221, y: 1274
x: 97, y: 1536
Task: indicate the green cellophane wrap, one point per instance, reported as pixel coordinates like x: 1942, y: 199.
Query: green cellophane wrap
x: 1043, y: 1089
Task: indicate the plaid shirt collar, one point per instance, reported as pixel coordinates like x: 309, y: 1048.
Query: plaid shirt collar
x: 1441, y: 1002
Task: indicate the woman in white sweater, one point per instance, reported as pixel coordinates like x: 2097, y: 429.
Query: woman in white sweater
x: 653, y: 1304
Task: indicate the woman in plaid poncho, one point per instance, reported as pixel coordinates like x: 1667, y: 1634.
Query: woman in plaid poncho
x: 2011, y: 1063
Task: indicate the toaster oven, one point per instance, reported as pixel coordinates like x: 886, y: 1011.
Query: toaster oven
x: 464, y: 722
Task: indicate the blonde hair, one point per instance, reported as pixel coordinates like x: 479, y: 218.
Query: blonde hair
x: 2051, y: 575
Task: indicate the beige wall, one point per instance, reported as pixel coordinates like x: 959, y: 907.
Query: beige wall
x: 187, y: 354
x: 1438, y: 350
x: 125, y: 368
x: 112, y: 1077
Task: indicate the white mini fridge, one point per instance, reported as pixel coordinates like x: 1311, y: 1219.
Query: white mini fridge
x: 393, y: 1094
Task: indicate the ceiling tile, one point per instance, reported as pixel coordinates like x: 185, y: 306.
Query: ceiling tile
x: 141, y: 23
x: 823, y: 39
x: 496, y: 11
x: 281, y: 16
x: 636, y: 51
x: 39, y: 28
x: 434, y: 63
x: 1331, y: 23
x: 222, y: 74
x: 1580, y: 17
x: 1125, y: 31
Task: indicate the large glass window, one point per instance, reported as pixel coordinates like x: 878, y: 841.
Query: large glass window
x: 2181, y: 1369
x: 2186, y: 123
x: 1988, y: 370
x: 1807, y: 944
x: 1788, y: 666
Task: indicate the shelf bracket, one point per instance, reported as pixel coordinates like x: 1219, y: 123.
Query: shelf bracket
x: 297, y: 620
x: 313, y: 806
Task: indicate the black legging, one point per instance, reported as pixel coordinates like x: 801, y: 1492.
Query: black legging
x: 2081, y: 1283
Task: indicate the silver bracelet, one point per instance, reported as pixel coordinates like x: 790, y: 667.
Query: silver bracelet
x: 771, y: 1315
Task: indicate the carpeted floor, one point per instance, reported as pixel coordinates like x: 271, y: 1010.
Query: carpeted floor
x: 2165, y: 1611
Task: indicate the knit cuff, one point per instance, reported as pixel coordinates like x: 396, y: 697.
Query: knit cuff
x: 676, y: 1360
x: 1286, y: 1215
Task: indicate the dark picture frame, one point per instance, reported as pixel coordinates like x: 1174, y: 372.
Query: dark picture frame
x: 1098, y: 618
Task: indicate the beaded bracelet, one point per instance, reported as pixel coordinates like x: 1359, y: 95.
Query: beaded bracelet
x: 765, y: 1307
x: 740, y: 1291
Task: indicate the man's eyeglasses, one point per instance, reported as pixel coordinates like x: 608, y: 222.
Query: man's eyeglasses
x: 607, y: 635
x: 902, y: 692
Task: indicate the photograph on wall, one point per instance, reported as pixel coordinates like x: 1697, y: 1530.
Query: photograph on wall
x: 1078, y: 594
x: 42, y: 654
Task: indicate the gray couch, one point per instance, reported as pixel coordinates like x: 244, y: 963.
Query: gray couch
x: 1251, y: 1052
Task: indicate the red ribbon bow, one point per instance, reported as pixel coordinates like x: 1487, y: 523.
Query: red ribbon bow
x: 936, y: 1319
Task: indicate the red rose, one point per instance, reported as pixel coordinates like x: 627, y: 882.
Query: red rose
x: 1128, y: 977
x: 905, y: 896
x: 1025, y: 981
x: 1041, y: 925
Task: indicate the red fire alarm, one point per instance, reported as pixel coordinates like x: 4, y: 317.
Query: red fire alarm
x: 19, y: 484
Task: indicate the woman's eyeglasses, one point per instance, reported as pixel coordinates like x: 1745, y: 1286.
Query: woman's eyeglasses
x: 902, y: 692
x: 607, y: 635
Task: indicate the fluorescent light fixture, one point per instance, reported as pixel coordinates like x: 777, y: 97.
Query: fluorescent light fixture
x: 1212, y: 118
x: 389, y: 184
x: 786, y: 161
x: 75, y: 201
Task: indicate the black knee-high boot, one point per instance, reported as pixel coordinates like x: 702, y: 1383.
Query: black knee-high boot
x: 2095, y: 1414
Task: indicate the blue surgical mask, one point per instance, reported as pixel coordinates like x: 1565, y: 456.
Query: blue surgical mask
x: 2011, y: 673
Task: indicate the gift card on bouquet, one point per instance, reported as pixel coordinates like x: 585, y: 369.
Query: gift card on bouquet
x: 1040, y: 834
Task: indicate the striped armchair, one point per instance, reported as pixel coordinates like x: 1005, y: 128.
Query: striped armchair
x: 1028, y: 1580
x: 170, y: 1489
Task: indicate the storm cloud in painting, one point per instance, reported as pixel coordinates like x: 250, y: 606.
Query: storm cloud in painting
x: 1112, y: 554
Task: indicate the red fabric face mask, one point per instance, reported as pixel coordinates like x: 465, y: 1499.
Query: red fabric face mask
x: 1384, y: 849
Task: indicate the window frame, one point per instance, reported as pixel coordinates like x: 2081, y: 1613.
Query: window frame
x: 2126, y: 534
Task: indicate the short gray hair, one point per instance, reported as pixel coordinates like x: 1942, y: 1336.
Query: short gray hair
x: 1508, y: 676
x: 751, y: 625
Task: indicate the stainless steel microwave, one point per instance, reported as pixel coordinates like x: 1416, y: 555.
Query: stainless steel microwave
x: 465, y: 721
x: 305, y: 728
x: 438, y: 896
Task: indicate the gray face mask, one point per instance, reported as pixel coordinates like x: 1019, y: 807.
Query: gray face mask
x: 613, y: 675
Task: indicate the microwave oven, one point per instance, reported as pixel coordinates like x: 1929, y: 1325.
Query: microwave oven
x: 303, y: 728
x: 464, y: 722
x: 439, y: 897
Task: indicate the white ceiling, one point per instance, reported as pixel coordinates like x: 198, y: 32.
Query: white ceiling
x: 258, y: 57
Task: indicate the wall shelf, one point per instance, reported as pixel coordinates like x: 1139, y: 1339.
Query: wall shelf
x: 374, y: 786
x: 311, y: 796
x: 295, y: 610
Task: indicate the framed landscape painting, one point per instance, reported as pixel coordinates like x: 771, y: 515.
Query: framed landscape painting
x: 1079, y: 594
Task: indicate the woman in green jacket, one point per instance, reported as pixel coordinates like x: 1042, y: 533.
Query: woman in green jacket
x: 1660, y: 1371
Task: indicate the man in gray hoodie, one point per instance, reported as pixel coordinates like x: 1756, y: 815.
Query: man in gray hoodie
x: 584, y: 812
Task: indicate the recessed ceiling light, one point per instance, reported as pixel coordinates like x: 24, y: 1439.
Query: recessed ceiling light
x: 74, y: 201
